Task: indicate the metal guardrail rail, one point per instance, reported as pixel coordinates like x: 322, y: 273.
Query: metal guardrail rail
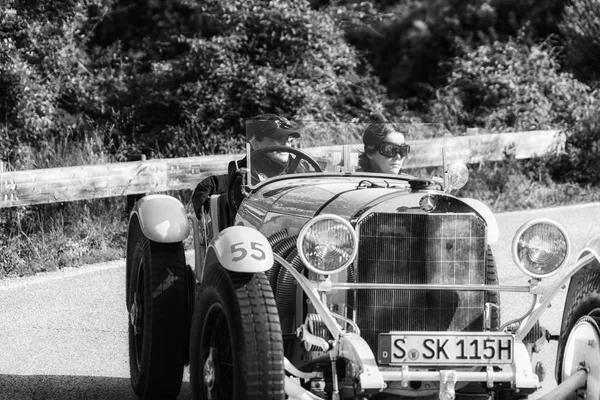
x: 52, y: 185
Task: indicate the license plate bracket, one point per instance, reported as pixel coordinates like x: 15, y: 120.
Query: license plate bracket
x: 445, y: 348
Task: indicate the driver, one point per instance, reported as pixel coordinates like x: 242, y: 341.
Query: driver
x: 265, y: 130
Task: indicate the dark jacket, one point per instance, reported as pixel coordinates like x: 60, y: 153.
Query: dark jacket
x: 218, y: 184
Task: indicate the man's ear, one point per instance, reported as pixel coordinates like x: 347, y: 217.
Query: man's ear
x: 253, y: 144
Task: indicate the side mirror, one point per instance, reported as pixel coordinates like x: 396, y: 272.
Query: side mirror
x: 457, y: 176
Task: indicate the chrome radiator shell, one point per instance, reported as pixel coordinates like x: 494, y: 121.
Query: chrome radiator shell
x: 444, y: 248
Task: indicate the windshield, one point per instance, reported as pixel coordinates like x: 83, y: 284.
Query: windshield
x: 289, y: 147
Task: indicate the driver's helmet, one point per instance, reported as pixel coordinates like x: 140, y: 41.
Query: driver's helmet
x: 272, y: 126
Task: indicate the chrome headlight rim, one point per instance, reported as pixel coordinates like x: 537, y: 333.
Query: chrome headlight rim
x: 519, y: 234
x: 306, y: 228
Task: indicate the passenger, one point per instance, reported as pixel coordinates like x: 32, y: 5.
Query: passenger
x: 267, y: 130
x: 385, y: 149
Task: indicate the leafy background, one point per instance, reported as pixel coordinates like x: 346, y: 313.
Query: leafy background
x: 95, y: 81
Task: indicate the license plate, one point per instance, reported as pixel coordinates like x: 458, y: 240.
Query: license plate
x: 428, y: 348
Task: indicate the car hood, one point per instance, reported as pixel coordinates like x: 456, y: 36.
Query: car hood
x: 289, y: 203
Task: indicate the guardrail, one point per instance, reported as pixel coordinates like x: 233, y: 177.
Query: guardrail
x: 52, y: 185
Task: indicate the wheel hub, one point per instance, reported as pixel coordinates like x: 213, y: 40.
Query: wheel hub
x: 583, y: 351
x: 135, y: 314
x: 210, y: 372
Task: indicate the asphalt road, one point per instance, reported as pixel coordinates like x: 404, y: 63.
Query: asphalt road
x: 63, y: 335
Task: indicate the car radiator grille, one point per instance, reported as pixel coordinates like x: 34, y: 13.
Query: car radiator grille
x: 419, y: 248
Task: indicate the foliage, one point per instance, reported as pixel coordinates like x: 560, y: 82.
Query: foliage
x: 511, y: 86
x: 541, y: 18
x: 581, y: 30
x: 51, y: 236
x: 580, y: 162
x: 96, y: 81
x: 47, y: 237
x: 171, y: 78
x: 512, y: 184
x: 230, y: 62
x: 411, y: 44
x: 43, y: 79
x: 409, y: 49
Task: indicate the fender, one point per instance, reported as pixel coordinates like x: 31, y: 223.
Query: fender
x: 240, y: 249
x: 591, y: 247
x: 493, y: 233
x: 162, y: 218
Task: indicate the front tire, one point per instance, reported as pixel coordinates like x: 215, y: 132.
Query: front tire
x: 582, y: 317
x: 236, y: 349
x: 158, y: 302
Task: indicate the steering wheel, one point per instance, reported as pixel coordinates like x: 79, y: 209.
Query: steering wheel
x: 257, y: 154
x: 291, y: 167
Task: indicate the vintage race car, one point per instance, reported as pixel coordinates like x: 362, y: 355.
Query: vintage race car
x: 340, y: 284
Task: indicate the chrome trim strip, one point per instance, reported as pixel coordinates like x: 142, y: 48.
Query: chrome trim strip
x: 482, y: 288
x: 461, y: 376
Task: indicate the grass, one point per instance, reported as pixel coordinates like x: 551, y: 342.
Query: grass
x: 50, y: 237
x: 511, y: 185
x: 54, y: 236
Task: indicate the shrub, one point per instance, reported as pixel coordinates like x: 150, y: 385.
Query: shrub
x: 244, y: 58
x: 540, y: 17
x: 511, y: 86
x: 581, y: 30
x: 45, y: 87
x: 513, y: 184
x: 410, y: 47
x: 580, y: 162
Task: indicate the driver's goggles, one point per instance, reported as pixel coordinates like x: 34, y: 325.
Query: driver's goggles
x: 391, y: 149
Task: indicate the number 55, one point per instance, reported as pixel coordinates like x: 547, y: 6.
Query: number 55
x: 255, y: 248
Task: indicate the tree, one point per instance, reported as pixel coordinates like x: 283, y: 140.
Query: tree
x: 511, y: 86
x: 581, y: 30
x: 192, y: 77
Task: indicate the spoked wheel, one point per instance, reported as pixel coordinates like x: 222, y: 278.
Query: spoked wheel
x: 236, y: 349
x: 582, y: 351
x: 158, y: 301
x: 218, y: 363
x: 581, y: 317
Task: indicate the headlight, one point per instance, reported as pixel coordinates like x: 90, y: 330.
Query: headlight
x: 540, y: 247
x: 327, y: 244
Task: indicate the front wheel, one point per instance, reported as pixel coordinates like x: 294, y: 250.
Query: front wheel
x: 158, y: 301
x: 579, y: 340
x: 581, y: 351
x: 236, y: 348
